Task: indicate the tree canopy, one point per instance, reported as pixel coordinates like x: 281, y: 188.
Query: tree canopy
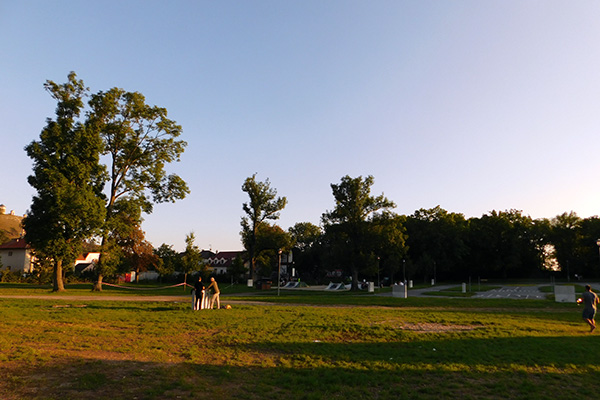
x: 139, y: 140
x: 68, y: 177
x: 264, y: 205
x: 348, y: 223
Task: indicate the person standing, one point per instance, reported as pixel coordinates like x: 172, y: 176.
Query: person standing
x: 589, y: 309
x: 199, y: 294
x: 215, y: 296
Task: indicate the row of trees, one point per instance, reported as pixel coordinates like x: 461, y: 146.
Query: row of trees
x: 363, y: 237
x: 134, y: 140
x: 99, y: 165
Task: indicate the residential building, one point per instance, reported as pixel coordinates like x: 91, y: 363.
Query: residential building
x: 16, y: 255
x: 86, y: 262
x: 219, y: 262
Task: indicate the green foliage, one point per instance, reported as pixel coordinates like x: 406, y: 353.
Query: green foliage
x: 437, y: 242
x: 270, y: 239
x: 237, y: 268
x: 504, y: 244
x: 351, y: 234
x: 308, y: 250
x: 574, y: 240
x: 264, y: 205
x: 191, y: 259
x: 68, y: 178
x: 139, y: 140
x: 168, y: 260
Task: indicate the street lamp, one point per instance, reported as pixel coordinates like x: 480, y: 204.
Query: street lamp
x: 278, y: 271
x: 378, y: 265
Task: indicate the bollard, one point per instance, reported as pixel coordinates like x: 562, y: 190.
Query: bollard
x: 250, y: 283
x: 410, y: 284
x: 464, y: 287
x: 399, y: 291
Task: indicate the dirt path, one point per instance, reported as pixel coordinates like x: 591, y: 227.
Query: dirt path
x: 158, y: 299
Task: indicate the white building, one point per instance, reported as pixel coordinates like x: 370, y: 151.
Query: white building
x: 16, y: 256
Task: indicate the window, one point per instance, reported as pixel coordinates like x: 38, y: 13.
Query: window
x: 10, y: 253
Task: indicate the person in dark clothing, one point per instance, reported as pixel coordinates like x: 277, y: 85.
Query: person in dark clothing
x: 198, y: 294
x: 589, y: 310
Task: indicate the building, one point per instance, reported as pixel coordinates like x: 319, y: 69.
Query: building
x: 15, y: 255
x: 86, y: 262
x: 219, y: 262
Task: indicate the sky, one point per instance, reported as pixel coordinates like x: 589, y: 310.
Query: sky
x: 470, y: 105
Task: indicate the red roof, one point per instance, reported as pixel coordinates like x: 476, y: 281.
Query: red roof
x: 15, y: 244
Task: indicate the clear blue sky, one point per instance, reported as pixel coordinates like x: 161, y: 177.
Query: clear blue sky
x: 471, y: 105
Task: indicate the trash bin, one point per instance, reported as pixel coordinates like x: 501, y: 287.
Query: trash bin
x: 263, y: 284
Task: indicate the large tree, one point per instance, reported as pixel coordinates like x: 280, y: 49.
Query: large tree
x: 437, y: 243
x: 139, y: 141
x: 168, y: 260
x: 191, y: 258
x: 307, y: 250
x: 269, y: 239
x: 389, y: 237
x: 263, y: 205
x: 68, y: 177
x: 503, y: 244
x: 348, y: 223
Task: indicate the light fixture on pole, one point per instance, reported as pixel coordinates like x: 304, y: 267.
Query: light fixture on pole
x: 278, y: 271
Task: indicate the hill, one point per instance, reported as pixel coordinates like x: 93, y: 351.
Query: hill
x: 10, y: 227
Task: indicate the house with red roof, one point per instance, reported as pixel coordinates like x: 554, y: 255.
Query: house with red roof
x: 16, y: 255
x: 218, y: 263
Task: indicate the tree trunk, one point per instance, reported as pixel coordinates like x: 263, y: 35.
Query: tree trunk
x: 184, y: 281
x: 98, y: 284
x: 58, y: 277
x: 354, y: 278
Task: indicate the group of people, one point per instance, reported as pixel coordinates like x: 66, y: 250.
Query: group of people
x: 205, y: 298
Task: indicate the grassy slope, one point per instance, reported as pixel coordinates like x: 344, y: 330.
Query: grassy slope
x: 10, y: 227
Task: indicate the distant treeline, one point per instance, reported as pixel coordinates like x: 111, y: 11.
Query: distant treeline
x: 447, y: 246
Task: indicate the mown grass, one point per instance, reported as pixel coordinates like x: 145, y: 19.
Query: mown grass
x: 342, y: 346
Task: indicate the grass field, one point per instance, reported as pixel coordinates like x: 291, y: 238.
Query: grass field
x: 295, y: 346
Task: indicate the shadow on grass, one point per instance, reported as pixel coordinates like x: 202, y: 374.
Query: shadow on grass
x: 534, y: 352
x: 530, y: 368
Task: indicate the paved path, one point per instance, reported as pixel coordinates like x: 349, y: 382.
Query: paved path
x: 505, y: 292
x: 513, y: 292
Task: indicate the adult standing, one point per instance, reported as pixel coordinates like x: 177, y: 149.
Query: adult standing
x: 199, y: 294
x: 215, y: 296
x: 589, y: 310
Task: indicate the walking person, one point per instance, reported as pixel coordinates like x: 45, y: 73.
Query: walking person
x: 215, y: 296
x: 590, y: 299
x: 199, y: 294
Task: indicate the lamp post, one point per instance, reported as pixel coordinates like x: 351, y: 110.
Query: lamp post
x: 278, y: 271
x: 598, y: 243
x: 378, y: 265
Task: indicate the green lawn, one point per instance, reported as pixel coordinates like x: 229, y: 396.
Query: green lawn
x: 300, y: 345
